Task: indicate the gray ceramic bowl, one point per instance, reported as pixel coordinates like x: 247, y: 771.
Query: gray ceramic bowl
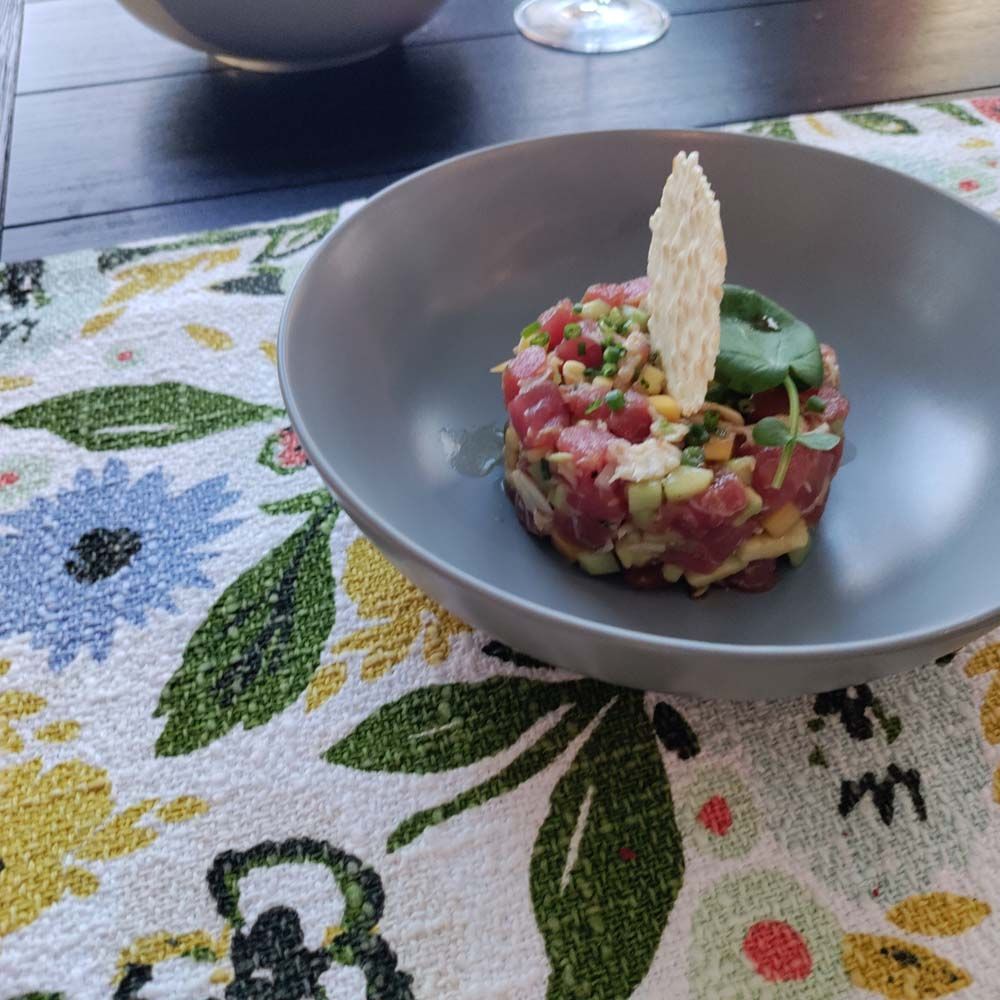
x: 388, y: 336
x: 281, y: 35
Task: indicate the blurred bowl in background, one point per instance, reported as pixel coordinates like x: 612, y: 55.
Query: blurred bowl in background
x: 275, y: 36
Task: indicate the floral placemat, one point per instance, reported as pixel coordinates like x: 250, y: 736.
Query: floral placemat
x: 242, y: 757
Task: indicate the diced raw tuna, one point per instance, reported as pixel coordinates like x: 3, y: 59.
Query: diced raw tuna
x: 587, y: 444
x: 555, y: 319
x: 538, y: 415
x: 629, y: 293
x: 526, y: 366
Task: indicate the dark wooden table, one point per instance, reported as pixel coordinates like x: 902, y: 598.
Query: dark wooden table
x: 119, y: 134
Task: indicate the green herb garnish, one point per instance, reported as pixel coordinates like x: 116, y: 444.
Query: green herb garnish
x: 763, y: 344
x: 539, y: 339
x: 572, y: 330
x: 697, y: 435
x: 692, y: 456
x: 577, y: 308
x: 546, y: 469
x: 815, y: 404
x: 613, y: 353
x: 615, y: 399
x: 530, y: 329
x: 581, y: 350
x: 594, y: 407
x: 772, y: 433
x: 609, y: 369
x: 711, y: 421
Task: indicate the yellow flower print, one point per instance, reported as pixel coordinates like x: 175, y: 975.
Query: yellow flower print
x: 404, y: 613
x: 48, y: 821
x: 149, y: 277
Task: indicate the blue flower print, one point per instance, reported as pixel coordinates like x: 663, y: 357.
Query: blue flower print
x: 106, y: 551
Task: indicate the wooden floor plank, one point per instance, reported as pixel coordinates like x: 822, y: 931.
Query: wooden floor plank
x: 74, y: 43
x: 11, y: 12
x: 24, y: 242
x: 127, y: 146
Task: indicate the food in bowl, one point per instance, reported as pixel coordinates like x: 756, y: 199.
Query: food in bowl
x: 674, y: 428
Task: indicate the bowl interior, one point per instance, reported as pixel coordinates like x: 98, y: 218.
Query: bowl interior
x: 391, y: 332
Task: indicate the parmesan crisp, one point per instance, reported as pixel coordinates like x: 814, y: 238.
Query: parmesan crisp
x: 687, y: 268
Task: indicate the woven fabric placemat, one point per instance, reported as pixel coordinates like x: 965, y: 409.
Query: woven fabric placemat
x: 242, y: 757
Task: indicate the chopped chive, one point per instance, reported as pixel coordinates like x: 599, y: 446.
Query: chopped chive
x: 815, y: 404
x: 594, y: 407
x: 530, y: 329
x: 711, y: 421
x: 572, y: 330
x: 577, y: 308
x: 693, y: 457
x: 615, y: 400
x: 581, y: 349
x: 613, y: 354
x: 539, y: 339
x: 609, y: 369
x: 697, y: 435
x: 546, y: 470
x: 591, y: 372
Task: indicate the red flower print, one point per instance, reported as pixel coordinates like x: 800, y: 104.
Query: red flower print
x: 988, y: 106
x: 968, y: 184
x: 777, y: 951
x: 8, y: 478
x: 716, y: 816
x: 291, y: 455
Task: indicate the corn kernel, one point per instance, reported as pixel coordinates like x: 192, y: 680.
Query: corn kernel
x: 651, y: 380
x: 718, y: 449
x: 782, y: 520
x: 602, y: 383
x: 666, y: 406
x: 573, y: 372
x: 595, y: 309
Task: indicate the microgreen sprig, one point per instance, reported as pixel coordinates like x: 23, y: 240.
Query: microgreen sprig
x: 772, y: 433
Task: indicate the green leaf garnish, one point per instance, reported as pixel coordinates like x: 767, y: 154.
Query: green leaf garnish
x: 761, y: 344
x: 530, y: 329
x: 819, y: 440
x: 771, y: 433
x: 594, y: 407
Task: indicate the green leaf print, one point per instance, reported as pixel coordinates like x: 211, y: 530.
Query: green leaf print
x: 779, y: 129
x: 260, y: 644
x: 283, y: 240
x: 881, y: 122
x: 304, y: 503
x: 526, y: 765
x: 956, y: 111
x: 446, y: 726
x: 607, y: 863
x: 264, y: 280
x: 112, y: 418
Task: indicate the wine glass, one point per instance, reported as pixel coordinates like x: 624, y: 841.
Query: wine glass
x: 592, y: 25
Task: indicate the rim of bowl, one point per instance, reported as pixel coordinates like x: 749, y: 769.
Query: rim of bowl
x: 372, y: 524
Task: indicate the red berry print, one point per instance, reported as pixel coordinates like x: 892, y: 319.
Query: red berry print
x: 777, y: 952
x: 716, y: 816
x: 626, y: 854
x: 968, y: 184
x: 124, y: 356
x: 9, y: 478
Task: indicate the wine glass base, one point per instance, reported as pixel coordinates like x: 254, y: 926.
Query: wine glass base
x: 592, y: 25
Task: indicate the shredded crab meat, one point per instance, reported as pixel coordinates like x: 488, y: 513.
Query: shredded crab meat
x: 652, y: 459
x: 636, y: 355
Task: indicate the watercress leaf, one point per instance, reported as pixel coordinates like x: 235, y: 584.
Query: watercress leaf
x: 771, y: 433
x: 761, y: 343
x: 819, y: 440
